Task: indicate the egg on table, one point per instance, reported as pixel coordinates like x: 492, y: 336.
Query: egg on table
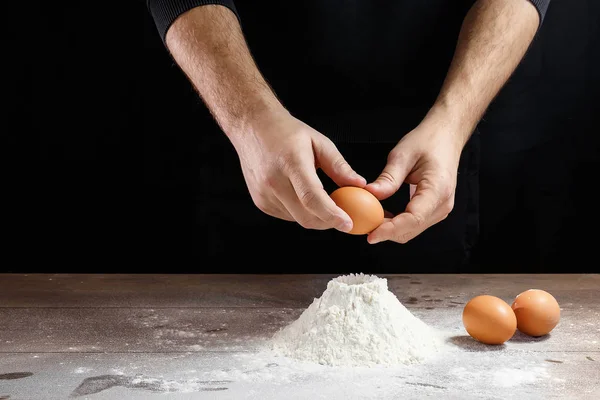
x: 537, y: 312
x: 489, y: 319
x: 362, y: 207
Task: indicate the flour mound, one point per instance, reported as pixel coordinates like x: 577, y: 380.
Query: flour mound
x: 357, y: 321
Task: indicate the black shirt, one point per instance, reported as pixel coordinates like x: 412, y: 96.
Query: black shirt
x: 358, y: 71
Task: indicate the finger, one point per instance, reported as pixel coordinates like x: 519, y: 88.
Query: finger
x: 277, y: 209
x: 412, y: 190
x: 392, y: 176
x: 315, y: 200
x: 331, y: 161
x: 286, y: 196
x: 421, y: 212
x: 289, y: 200
x: 293, y: 205
x: 388, y: 214
x: 270, y: 205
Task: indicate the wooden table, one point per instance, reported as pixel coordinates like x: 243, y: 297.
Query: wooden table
x: 198, y: 336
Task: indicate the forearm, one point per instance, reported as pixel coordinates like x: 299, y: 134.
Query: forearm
x: 208, y: 45
x: 493, y: 39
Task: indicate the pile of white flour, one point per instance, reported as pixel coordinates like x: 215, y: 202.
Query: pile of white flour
x: 357, y: 321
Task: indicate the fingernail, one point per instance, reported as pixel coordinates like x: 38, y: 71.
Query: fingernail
x: 372, y: 241
x: 360, y: 178
x: 374, y: 185
x: 346, y: 226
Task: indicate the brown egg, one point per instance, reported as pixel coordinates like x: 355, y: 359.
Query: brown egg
x: 362, y: 206
x: 537, y: 312
x: 489, y: 319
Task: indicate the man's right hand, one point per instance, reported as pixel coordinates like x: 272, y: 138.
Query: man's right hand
x: 280, y: 155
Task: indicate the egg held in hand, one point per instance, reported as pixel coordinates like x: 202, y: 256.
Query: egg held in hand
x: 489, y: 319
x: 362, y: 207
x: 537, y: 312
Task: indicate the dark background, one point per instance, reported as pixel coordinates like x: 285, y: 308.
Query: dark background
x: 121, y: 158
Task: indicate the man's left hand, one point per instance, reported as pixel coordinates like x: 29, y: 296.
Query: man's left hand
x: 426, y: 158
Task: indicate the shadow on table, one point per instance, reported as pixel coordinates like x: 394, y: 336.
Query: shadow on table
x: 520, y: 337
x: 467, y: 343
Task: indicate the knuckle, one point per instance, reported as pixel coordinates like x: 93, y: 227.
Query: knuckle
x: 331, y: 219
x: 420, y: 220
x: 395, y: 155
x: 404, y: 237
x: 285, y: 162
x: 308, y: 223
x: 388, y: 177
x: 447, y: 207
x: 446, y: 193
x: 308, y: 198
x: 328, y: 220
x: 340, y: 164
x: 270, y: 181
x: 399, y: 235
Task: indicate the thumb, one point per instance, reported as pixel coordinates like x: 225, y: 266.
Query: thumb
x: 331, y: 161
x: 391, y: 178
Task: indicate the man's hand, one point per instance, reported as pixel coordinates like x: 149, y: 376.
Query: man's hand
x: 279, y: 157
x: 427, y: 159
x: 278, y: 153
x: 493, y: 39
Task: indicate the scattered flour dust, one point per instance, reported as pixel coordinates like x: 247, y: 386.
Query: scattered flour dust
x: 357, y: 321
x: 82, y: 370
x: 499, y: 377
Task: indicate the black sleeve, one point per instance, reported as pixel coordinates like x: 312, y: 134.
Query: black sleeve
x: 165, y: 12
x: 541, y: 6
